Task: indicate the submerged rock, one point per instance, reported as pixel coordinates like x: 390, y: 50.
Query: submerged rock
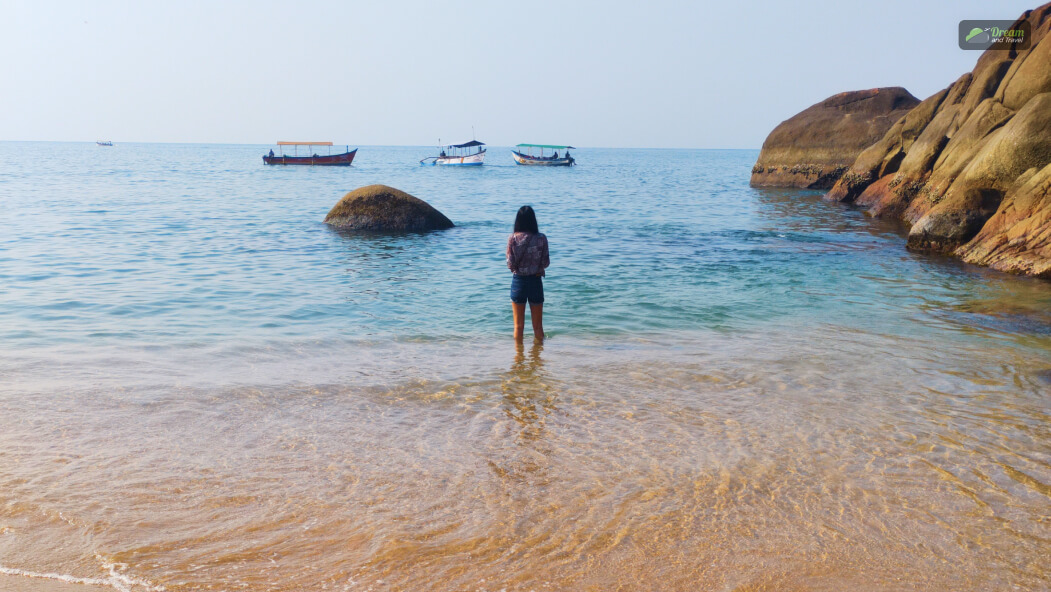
x: 379, y: 207
x: 814, y: 148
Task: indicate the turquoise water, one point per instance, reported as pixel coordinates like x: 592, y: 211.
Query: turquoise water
x: 203, y: 245
x: 203, y: 387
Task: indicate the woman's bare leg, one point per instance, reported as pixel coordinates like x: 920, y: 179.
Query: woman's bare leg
x: 518, y: 312
x: 536, y: 314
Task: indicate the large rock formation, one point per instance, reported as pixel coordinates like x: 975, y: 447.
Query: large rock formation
x: 379, y: 207
x: 814, y: 148
x: 967, y: 168
x: 1018, y: 236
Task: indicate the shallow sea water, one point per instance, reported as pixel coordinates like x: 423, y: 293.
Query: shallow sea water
x: 202, y: 387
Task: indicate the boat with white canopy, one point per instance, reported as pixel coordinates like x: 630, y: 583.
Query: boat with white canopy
x: 467, y: 154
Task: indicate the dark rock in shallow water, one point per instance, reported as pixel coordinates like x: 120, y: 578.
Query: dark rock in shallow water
x: 1044, y: 375
x: 815, y: 147
x: 383, y: 208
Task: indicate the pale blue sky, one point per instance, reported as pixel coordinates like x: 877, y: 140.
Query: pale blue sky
x: 618, y: 74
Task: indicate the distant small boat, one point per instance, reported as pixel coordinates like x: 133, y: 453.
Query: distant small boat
x: 103, y: 143
x: 458, y: 155
x: 526, y: 154
x: 311, y: 157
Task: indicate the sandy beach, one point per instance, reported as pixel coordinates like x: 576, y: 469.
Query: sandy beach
x: 25, y: 584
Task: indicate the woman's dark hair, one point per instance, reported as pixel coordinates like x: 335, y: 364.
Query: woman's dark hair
x: 525, y: 221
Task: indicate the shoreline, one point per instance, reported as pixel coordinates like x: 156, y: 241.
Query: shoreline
x: 49, y: 583
x: 276, y: 363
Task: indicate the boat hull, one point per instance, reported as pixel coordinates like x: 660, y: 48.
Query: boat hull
x: 328, y: 160
x: 476, y: 159
x: 525, y: 159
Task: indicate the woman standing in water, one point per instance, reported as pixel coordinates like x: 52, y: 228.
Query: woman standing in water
x: 527, y: 258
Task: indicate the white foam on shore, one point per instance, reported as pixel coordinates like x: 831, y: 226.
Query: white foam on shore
x: 116, y: 580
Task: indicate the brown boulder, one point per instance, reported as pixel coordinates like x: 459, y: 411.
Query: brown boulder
x: 1029, y: 74
x: 1023, y: 143
x: 814, y: 148
x: 989, y: 116
x: 886, y: 156
x: 379, y: 207
x: 987, y: 79
x: 1018, y: 236
x: 889, y: 196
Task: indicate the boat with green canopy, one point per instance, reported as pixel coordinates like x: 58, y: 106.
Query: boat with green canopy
x: 534, y: 155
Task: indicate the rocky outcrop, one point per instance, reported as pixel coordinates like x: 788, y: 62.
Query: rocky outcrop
x: 1018, y: 235
x: 814, y: 148
x: 967, y: 167
x: 379, y: 207
x: 960, y: 203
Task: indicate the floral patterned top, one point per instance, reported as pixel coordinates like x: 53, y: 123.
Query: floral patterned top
x: 527, y: 253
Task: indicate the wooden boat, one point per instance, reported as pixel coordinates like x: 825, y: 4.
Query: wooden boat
x: 458, y: 155
x: 311, y: 157
x: 526, y: 154
x: 103, y: 143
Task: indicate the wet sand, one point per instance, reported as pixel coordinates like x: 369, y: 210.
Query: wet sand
x: 23, y: 584
x: 791, y: 462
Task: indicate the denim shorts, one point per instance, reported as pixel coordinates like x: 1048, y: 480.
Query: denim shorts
x: 527, y: 287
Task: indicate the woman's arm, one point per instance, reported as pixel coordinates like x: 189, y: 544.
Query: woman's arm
x: 545, y: 258
x: 510, y: 253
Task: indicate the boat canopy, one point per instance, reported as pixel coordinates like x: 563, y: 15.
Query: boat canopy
x: 470, y: 144
x: 544, y: 146
x: 304, y: 143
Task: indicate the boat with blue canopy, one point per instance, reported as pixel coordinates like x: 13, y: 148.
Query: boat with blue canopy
x: 533, y: 155
x: 467, y: 154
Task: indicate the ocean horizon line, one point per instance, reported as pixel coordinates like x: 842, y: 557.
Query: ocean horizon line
x: 334, y: 143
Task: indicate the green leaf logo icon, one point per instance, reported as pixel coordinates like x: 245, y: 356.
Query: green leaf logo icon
x: 974, y: 31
